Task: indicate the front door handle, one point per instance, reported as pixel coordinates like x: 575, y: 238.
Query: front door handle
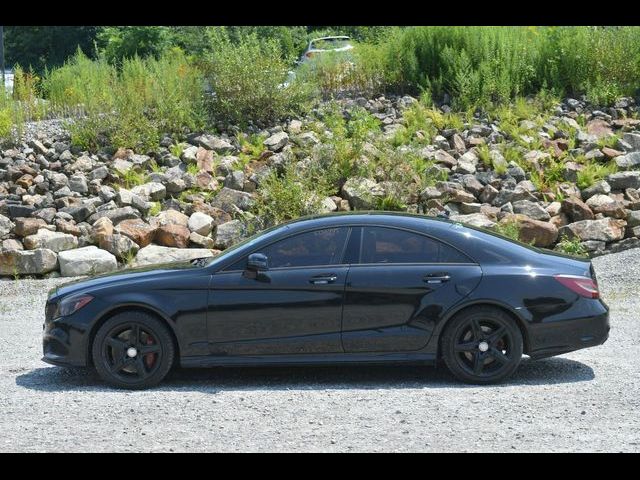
x: 439, y: 277
x: 323, y: 279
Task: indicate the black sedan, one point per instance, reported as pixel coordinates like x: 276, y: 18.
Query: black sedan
x: 343, y: 288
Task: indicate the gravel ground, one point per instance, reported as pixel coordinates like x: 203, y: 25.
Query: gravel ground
x: 584, y: 401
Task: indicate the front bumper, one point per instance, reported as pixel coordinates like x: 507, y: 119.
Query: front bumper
x: 556, y: 338
x: 65, y: 340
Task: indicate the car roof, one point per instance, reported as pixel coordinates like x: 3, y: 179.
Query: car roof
x: 334, y: 37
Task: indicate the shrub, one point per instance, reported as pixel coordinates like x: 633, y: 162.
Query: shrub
x: 285, y: 197
x: 247, y: 81
x: 509, y: 229
x: 571, y: 246
x: 132, y: 107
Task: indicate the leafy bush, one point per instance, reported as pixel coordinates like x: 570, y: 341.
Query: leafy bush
x: 131, y: 107
x: 571, y: 246
x: 509, y: 229
x: 592, y: 172
x: 285, y: 197
x: 247, y: 81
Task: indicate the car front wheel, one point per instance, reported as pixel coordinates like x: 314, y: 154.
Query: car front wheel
x: 482, y: 345
x: 133, y: 350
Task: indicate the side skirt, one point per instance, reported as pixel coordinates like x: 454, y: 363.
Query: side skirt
x: 320, y: 359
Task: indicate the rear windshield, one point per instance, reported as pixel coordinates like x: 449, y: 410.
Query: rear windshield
x: 330, y: 43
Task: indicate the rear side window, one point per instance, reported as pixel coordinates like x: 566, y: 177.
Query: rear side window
x: 390, y: 245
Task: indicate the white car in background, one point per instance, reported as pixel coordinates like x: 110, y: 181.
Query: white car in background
x: 8, y: 80
x: 318, y: 47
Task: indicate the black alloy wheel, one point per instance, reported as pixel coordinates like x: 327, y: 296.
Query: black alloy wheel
x: 133, y: 350
x: 482, y: 345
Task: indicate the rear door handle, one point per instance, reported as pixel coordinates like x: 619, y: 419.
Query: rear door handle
x: 323, y: 279
x: 439, y: 277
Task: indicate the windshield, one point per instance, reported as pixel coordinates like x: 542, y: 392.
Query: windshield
x: 246, y: 242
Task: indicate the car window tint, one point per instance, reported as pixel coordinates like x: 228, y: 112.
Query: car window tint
x: 389, y: 245
x: 318, y: 247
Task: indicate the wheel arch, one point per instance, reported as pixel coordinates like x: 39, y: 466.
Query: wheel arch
x: 520, y: 322
x: 139, y: 307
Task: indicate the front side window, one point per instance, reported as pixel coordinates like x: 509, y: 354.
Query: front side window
x: 318, y: 247
x: 390, y: 245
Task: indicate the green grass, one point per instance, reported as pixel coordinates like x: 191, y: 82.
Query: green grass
x: 509, y: 229
x: 593, y: 172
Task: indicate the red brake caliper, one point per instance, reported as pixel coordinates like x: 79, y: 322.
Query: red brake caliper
x: 149, y: 358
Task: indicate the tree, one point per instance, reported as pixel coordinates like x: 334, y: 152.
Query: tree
x: 45, y: 47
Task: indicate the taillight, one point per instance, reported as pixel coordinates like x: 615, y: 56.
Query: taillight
x: 583, y: 286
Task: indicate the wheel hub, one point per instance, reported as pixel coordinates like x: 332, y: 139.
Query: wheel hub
x: 483, y: 346
x: 132, y: 352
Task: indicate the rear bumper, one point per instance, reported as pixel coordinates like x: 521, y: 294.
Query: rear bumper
x: 555, y: 338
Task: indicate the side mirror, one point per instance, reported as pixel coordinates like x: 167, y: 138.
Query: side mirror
x: 257, y: 262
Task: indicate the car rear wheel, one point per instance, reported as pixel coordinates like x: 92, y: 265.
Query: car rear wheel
x: 482, y: 345
x: 133, y: 350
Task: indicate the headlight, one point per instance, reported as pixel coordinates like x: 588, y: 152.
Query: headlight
x: 72, y: 304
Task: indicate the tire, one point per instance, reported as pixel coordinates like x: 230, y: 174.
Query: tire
x: 482, y: 345
x: 118, y: 349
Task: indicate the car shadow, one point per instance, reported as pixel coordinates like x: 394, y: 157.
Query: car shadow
x: 213, y: 380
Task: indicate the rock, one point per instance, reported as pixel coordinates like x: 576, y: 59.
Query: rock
x: 228, y: 233
x: 531, y: 209
x: 611, y: 153
x: 88, y: 260
x: 625, y: 244
x: 119, y: 245
x: 201, y: 223
x: 116, y: 215
x: 540, y: 234
x: 7, y: 225
x: 26, y: 226
x: 154, y: 254
x: 276, y: 142
x: 633, y: 139
x: 189, y: 154
x: 606, y: 205
x: 79, y: 213
x: 125, y: 198
x: 78, y: 183
x: 600, y: 187
x: 173, y: 235
x: 599, y: 128
x: 201, y: 240
x: 444, y: 158
x: 633, y: 218
x: 204, y: 160
x: 295, y: 126
x: 28, y: 262
x: 605, y: 230
x: 227, y: 198
x: 475, y: 220
x: 150, y: 192
x: 170, y: 217
x: 137, y: 230
x: 46, y: 239
x: 576, y: 209
x: 217, y: 144
x: 307, y: 140
x: 623, y: 180
x: 103, y: 227
x: 11, y: 244
x: 630, y: 161
x: 15, y: 211
x: 362, y: 193
x: 235, y: 180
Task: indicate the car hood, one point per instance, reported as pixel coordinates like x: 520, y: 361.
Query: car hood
x: 121, y: 276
